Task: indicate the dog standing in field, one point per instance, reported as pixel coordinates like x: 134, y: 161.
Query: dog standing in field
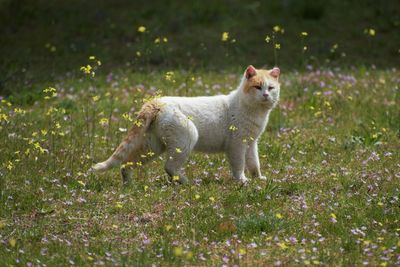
x: 229, y: 123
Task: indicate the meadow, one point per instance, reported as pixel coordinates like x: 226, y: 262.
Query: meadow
x: 331, y: 151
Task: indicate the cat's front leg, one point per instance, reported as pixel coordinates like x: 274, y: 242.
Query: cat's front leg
x: 253, y: 161
x: 236, y: 156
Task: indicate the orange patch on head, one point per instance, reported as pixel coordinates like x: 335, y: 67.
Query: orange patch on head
x: 252, y: 82
x: 258, y: 76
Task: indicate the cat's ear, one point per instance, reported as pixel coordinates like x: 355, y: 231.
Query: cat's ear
x: 275, y: 72
x: 250, y: 72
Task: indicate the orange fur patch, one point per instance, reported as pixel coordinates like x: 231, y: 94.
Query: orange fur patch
x: 145, y: 117
x: 257, y: 80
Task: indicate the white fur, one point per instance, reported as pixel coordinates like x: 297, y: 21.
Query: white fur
x: 225, y: 123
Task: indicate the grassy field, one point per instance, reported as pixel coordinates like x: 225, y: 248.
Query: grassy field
x: 330, y: 152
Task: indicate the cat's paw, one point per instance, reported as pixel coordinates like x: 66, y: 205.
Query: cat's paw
x: 262, y: 177
x: 242, y: 180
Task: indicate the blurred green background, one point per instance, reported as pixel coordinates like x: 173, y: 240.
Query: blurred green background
x: 42, y: 41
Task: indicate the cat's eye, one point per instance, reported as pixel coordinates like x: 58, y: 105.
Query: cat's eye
x: 270, y: 87
x: 257, y: 87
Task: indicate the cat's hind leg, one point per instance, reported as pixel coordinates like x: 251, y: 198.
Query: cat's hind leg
x: 151, y: 149
x: 179, y: 135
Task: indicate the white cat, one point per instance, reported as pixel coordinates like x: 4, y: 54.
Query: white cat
x: 225, y: 123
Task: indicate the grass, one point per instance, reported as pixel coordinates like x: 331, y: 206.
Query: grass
x: 330, y: 151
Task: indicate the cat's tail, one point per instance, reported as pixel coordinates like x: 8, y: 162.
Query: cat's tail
x: 135, y: 139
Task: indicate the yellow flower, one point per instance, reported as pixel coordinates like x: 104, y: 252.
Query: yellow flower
x: 10, y: 165
x: 267, y: 39
x: 225, y: 36
x: 168, y: 227
x: 165, y: 40
x: 233, y: 128
x: 12, y: 242
x: 371, y: 32
x: 157, y: 40
x: 103, y: 121
x: 242, y: 251
x: 92, y: 57
x: 95, y: 98
x: 81, y: 183
x: 279, y: 216
x: 212, y: 199
x: 141, y: 29
x: 118, y: 205
x: 278, y: 46
x: 178, y: 251
x: 333, y: 215
x: 282, y: 245
x: 178, y: 150
x: 169, y: 75
x: 175, y: 178
x: 304, y: 34
x: 189, y: 255
x: 276, y: 28
x: 197, y: 196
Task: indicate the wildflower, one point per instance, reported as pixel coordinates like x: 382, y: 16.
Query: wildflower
x: 157, y: 40
x: 276, y: 28
x: 333, y: 218
x: 278, y: 46
x: 197, y: 196
x: 92, y: 57
x: 141, y: 29
x: 178, y: 150
x: 165, y: 40
x: 233, y: 128
x: 175, y: 178
x: 242, y: 251
x: 10, y: 165
x: 178, y: 251
x: 118, y: 205
x: 212, y: 199
x: 126, y: 116
x: 19, y: 111
x: 267, y: 39
x: 279, y: 216
x: 168, y: 227
x: 169, y: 75
x: 86, y: 69
x: 305, y: 48
x: 371, y: 32
x: 96, y: 98
x: 304, y: 34
x: 225, y: 36
x: 138, y: 54
x: 189, y: 255
x: 12, y: 242
x: 103, y: 121
x: 282, y: 245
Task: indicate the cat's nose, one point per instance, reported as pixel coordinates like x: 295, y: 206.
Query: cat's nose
x: 265, y: 95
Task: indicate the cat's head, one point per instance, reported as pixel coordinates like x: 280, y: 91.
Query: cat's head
x: 261, y: 86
